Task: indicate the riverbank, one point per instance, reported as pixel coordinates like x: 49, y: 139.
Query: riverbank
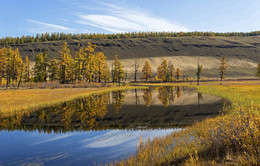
x: 17, y: 100
x: 232, y: 138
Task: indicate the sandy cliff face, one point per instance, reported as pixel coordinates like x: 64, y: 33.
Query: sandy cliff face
x: 243, y: 53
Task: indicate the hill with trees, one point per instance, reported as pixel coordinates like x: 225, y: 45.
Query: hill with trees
x: 242, y: 51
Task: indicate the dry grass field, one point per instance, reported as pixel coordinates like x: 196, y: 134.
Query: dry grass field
x: 14, y: 100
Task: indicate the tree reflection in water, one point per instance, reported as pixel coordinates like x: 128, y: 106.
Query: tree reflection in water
x: 167, y: 94
x: 95, y: 112
x: 118, y: 98
x: 147, y: 97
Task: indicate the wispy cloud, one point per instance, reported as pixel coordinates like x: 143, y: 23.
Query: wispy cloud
x: 123, y: 138
x: 120, y: 19
x: 41, y: 27
x: 55, y: 138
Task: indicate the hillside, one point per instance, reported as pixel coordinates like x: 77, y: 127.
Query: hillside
x: 242, y: 53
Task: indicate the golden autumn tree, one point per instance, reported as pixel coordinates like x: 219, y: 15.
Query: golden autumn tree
x: 162, y: 70
x: 147, y: 71
x: 223, y: 68
x: 80, y: 61
x: 105, y: 74
x: 117, y: 70
x: 40, y: 67
x: 53, y: 70
x: 66, y: 65
x: 13, y: 67
x: 3, y: 65
x: 178, y: 73
x: 90, y: 65
x: 27, y: 69
x: 101, y: 66
x: 171, y: 71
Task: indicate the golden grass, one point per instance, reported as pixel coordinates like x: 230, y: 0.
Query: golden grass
x: 206, y: 83
x: 230, y: 139
x: 15, y: 100
x: 241, y: 93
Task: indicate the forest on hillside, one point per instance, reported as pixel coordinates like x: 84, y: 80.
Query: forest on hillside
x: 63, y: 36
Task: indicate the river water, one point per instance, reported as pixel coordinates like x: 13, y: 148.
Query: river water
x: 101, y: 128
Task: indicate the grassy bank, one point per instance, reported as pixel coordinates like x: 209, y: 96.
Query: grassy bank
x: 202, y: 83
x: 244, y: 94
x: 16, y: 100
x: 230, y: 139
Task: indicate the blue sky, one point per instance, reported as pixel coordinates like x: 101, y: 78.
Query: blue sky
x: 28, y: 17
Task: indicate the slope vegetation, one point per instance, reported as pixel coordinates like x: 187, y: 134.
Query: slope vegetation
x: 243, y: 53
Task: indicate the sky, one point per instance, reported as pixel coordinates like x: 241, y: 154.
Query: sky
x: 29, y: 17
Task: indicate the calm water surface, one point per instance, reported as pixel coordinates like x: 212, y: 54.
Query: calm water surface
x: 100, y: 128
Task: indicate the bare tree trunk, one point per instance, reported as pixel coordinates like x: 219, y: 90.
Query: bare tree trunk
x: 136, y: 69
x: 125, y: 75
x: 198, y: 79
x: 7, y: 81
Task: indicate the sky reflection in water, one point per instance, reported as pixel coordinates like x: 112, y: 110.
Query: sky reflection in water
x: 75, y: 148
x: 98, y: 129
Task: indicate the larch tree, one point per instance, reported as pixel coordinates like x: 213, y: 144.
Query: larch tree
x: 66, y: 65
x: 27, y: 69
x: 117, y: 70
x: 91, y: 68
x: 258, y: 71
x: 223, y: 68
x: 178, y: 73
x: 3, y: 65
x: 147, y: 71
x: 53, y: 70
x: 106, y: 74
x: 40, y: 67
x: 80, y: 61
x: 199, y: 71
x: 101, y: 65
x: 162, y: 71
x: 171, y: 71
x: 13, y: 66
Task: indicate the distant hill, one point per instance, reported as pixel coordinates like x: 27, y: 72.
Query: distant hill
x: 242, y: 53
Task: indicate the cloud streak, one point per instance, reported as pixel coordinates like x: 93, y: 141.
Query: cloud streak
x: 42, y: 27
x: 119, y: 19
x: 55, y: 138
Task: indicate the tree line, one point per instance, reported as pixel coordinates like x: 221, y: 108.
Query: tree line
x: 63, y: 36
x: 87, y: 65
